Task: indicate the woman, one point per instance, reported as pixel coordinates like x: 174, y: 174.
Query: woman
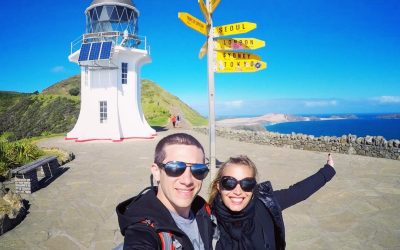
x: 249, y: 216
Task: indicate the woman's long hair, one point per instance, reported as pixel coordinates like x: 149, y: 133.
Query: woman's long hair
x: 238, y: 160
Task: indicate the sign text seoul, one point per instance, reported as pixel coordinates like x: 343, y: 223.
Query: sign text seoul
x: 234, y: 28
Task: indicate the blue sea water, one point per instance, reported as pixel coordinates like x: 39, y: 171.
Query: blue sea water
x: 365, y: 124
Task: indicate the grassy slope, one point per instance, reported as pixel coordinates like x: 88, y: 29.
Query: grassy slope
x: 62, y: 88
x: 154, y: 99
x: 8, y: 99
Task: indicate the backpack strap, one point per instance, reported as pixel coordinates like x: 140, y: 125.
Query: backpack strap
x: 168, y: 241
x: 216, y: 234
x: 208, y: 208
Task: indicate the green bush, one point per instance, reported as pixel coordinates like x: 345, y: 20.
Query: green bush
x: 74, y: 91
x: 16, y: 153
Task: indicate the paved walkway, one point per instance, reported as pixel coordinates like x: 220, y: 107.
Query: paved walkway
x: 358, y: 209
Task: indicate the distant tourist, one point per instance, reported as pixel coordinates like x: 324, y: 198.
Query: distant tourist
x: 178, y: 120
x: 173, y: 120
x: 172, y: 215
x: 249, y: 216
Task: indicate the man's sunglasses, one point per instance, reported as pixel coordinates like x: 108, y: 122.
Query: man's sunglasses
x: 177, y: 168
x: 230, y: 183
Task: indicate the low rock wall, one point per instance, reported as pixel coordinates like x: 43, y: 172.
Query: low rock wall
x: 374, y: 146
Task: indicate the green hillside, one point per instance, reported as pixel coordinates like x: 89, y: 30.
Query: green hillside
x: 8, y: 99
x: 57, y: 108
x: 156, y: 100
x: 65, y: 86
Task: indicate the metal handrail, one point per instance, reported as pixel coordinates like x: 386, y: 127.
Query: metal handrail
x: 140, y: 42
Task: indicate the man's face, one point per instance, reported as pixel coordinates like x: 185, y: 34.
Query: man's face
x: 178, y: 193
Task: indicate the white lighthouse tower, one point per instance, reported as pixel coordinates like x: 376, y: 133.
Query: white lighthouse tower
x: 110, y: 55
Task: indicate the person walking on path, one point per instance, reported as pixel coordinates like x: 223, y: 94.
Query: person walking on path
x: 173, y: 210
x: 249, y: 216
x: 173, y: 120
x: 178, y: 120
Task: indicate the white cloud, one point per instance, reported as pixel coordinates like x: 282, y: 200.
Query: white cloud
x: 234, y: 104
x: 58, y: 69
x: 320, y: 103
x: 387, y: 99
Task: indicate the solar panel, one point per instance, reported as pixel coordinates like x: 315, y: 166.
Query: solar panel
x: 94, y: 51
x: 84, y: 53
x: 106, y: 50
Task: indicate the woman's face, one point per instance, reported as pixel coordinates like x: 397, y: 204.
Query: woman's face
x: 236, y: 199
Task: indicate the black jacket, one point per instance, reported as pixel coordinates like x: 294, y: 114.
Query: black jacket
x: 270, y: 229
x: 131, y: 213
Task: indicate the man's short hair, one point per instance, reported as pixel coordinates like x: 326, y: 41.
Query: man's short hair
x: 175, y: 139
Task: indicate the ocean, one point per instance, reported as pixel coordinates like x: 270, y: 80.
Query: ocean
x: 366, y: 124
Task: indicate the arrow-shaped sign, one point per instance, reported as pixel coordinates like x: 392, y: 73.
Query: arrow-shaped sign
x: 203, y: 50
x: 193, y: 22
x: 233, y: 56
x: 204, y: 10
x: 223, y: 66
x: 238, y: 43
x: 234, y: 28
x: 214, y: 4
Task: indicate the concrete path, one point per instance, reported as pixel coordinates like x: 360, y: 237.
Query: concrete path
x: 358, y: 209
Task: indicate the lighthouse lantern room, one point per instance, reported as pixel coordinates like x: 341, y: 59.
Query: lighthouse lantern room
x: 110, y: 55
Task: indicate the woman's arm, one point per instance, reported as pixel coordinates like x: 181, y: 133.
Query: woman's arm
x: 305, y: 188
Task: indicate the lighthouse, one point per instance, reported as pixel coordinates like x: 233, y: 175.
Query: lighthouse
x: 110, y: 55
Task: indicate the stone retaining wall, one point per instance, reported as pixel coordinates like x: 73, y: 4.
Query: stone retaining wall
x: 374, y: 146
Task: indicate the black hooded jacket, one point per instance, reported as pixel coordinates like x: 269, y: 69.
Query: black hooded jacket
x: 138, y: 235
x: 269, y: 232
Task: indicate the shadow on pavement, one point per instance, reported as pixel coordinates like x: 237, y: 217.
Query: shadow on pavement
x: 159, y: 128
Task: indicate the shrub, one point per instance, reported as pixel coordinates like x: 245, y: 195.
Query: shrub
x: 17, y: 153
x: 74, y: 91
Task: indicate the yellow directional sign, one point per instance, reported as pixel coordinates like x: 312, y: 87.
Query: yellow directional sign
x: 204, y: 10
x: 238, y: 43
x: 234, y: 28
x: 233, y: 56
x: 223, y: 66
x: 214, y: 4
x: 203, y: 50
x: 193, y: 22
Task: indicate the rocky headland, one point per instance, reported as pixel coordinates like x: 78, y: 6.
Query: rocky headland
x: 258, y: 123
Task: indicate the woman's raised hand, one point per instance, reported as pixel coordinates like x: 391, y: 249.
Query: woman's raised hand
x: 330, y: 160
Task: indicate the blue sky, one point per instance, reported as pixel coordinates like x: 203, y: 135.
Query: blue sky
x: 323, y: 56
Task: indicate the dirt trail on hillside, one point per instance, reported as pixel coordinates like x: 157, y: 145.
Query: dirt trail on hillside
x: 182, y: 124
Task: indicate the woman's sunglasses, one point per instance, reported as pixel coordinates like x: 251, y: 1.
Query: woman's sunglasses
x: 229, y: 183
x: 177, y: 168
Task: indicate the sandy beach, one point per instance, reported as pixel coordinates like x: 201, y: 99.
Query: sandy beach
x: 358, y: 209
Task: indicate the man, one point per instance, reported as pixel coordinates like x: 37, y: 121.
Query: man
x: 172, y: 211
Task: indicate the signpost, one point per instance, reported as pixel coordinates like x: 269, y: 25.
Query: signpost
x: 224, y: 55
